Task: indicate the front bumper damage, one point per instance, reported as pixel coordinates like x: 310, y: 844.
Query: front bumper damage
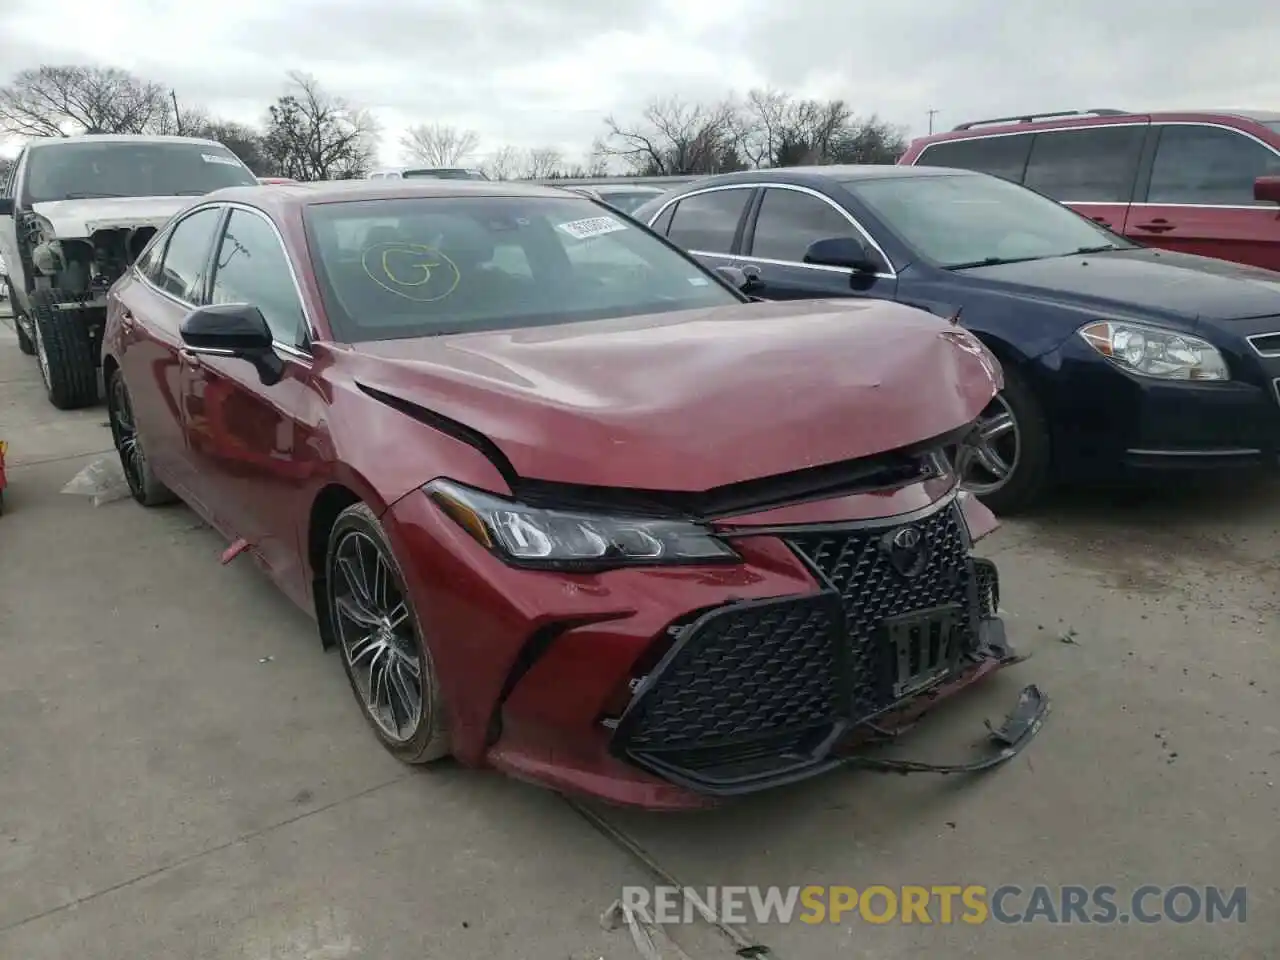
x: 757, y: 693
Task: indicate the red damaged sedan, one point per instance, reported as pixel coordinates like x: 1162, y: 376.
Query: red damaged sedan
x: 567, y: 504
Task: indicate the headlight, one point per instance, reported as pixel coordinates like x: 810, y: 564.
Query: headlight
x: 1155, y: 352
x: 573, y: 540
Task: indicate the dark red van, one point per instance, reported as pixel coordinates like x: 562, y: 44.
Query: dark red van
x: 1200, y: 182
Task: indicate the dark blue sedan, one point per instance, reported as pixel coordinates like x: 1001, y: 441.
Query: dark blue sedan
x: 1117, y: 358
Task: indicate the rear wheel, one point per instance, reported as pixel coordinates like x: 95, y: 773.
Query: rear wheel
x: 380, y: 640
x: 1006, y: 461
x: 144, y: 486
x: 65, y: 351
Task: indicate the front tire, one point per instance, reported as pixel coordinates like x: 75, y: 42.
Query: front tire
x: 143, y: 485
x: 1006, y: 464
x: 380, y: 640
x: 65, y: 351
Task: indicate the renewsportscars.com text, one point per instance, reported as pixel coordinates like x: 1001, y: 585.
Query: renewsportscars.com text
x: 940, y: 904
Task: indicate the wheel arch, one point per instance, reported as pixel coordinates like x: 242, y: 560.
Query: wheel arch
x: 333, y: 498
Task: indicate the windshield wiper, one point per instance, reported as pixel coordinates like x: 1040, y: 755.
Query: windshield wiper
x: 188, y: 193
x: 1101, y: 248
x: 990, y: 262
x: 90, y: 195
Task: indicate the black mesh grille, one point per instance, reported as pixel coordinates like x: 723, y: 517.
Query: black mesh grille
x: 745, y: 671
x: 857, y: 564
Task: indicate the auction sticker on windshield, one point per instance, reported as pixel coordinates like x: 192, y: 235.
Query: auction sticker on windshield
x: 214, y: 158
x: 591, y: 227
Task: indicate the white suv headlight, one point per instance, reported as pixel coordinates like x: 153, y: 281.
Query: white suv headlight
x: 1154, y: 351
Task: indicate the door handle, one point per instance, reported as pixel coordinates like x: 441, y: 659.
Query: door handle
x: 1156, y: 225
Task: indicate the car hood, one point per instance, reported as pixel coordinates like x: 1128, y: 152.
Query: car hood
x: 694, y: 400
x: 80, y: 218
x: 1123, y: 282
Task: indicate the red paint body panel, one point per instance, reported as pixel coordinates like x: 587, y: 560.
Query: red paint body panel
x: 695, y: 400
x: 671, y: 403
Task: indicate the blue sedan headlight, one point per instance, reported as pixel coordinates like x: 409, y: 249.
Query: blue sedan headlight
x: 1152, y: 351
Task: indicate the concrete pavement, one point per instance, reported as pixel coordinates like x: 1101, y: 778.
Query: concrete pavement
x: 184, y: 773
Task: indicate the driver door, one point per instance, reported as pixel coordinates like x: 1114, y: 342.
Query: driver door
x: 249, y: 441
x: 786, y: 221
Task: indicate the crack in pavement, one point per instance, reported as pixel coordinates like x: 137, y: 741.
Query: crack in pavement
x: 199, y: 854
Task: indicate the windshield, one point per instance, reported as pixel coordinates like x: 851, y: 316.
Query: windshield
x: 420, y: 267
x: 123, y: 168
x: 628, y: 201
x: 445, y: 173
x: 970, y: 220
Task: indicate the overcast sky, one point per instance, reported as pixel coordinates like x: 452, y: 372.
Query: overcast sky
x: 544, y: 72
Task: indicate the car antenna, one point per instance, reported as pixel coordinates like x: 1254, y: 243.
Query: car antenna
x: 955, y: 317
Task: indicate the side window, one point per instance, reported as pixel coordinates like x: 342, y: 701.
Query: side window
x: 708, y: 221
x: 252, y: 268
x: 790, y: 220
x: 999, y: 156
x: 1093, y: 164
x: 1208, y: 165
x: 7, y: 182
x: 663, y: 224
x: 186, y: 255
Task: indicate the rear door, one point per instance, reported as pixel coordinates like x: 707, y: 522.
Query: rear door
x: 147, y: 307
x: 1092, y: 169
x: 786, y: 221
x: 1198, y: 195
x: 708, y: 224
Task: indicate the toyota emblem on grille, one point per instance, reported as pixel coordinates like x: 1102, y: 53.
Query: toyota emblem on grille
x: 907, y: 549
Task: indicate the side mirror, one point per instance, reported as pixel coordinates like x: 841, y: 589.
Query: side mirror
x: 841, y: 252
x: 6, y: 206
x: 735, y: 277
x: 234, y: 330
x: 1267, y: 189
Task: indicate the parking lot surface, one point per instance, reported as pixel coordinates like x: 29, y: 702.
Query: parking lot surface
x: 184, y: 773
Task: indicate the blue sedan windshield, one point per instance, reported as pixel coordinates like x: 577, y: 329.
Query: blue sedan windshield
x: 970, y: 220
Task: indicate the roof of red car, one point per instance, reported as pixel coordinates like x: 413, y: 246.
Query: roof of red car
x: 291, y: 195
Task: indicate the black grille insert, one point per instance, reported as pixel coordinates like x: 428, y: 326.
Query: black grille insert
x: 759, y: 689
x: 743, y: 672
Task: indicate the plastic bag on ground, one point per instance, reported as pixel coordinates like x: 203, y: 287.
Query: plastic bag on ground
x: 103, y: 480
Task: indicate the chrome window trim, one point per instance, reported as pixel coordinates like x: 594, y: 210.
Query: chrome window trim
x: 1268, y: 354
x: 797, y: 188
x: 292, y: 349
x: 1275, y: 386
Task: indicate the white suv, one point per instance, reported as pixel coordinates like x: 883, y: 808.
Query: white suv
x: 75, y: 212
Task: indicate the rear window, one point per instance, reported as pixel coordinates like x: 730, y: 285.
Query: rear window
x: 124, y: 168
x: 419, y: 267
x: 1003, y: 156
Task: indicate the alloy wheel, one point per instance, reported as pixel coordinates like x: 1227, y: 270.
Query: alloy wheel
x: 377, y: 635
x: 990, y: 456
x: 124, y: 432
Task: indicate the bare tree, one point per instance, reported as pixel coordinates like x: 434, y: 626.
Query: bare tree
x: 776, y: 130
x: 674, y: 137
x: 313, y: 135
x: 6, y: 164
x: 439, y: 145
x: 503, y: 164
x: 870, y: 140
x: 542, y: 163
x: 60, y: 101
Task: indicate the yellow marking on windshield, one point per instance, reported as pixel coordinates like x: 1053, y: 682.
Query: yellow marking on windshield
x: 409, y: 269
